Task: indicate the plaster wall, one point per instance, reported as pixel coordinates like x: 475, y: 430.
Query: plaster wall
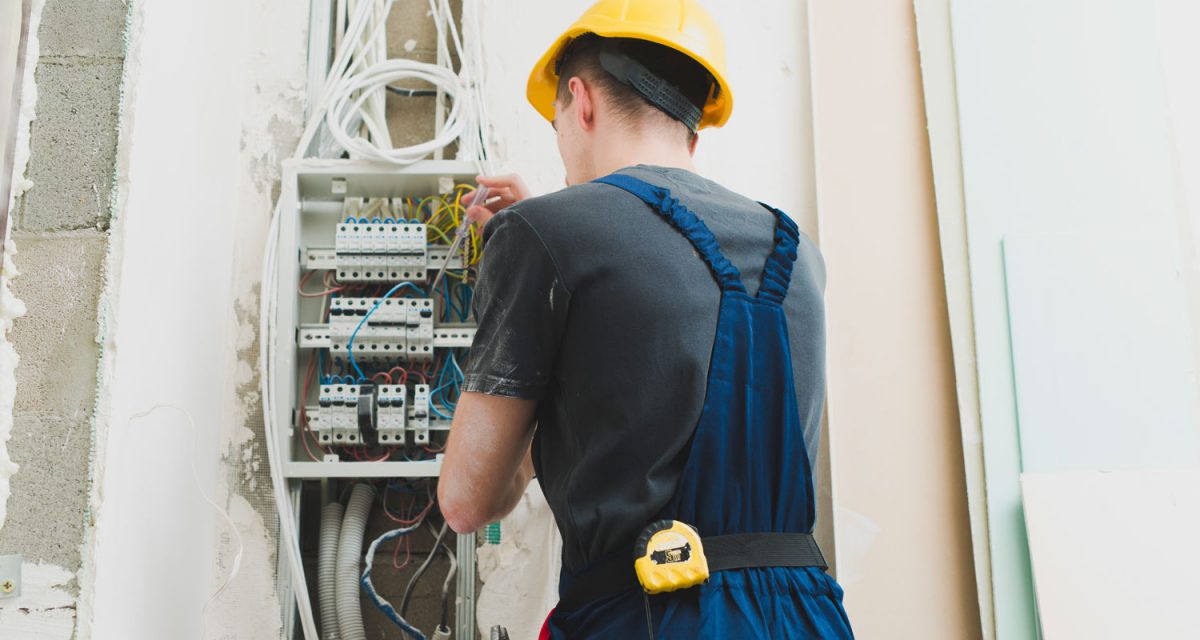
x: 215, y: 98
x: 903, y: 541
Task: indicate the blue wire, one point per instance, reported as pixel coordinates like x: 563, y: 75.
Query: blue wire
x: 450, y: 306
x: 383, y: 605
x: 465, y: 292
x: 452, y: 371
x: 434, y: 409
x: 350, y: 344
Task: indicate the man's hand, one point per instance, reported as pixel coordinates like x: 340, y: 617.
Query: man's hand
x: 503, y: 191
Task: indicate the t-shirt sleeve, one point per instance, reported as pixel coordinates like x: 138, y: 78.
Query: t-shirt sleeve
x: 520, y: 305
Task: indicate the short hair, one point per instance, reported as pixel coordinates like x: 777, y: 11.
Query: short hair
x: 581, y: 57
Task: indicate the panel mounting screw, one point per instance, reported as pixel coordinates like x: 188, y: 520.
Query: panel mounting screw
x: 7, y: 586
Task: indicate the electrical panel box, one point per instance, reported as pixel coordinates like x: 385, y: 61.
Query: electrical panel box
x: 373, y: 321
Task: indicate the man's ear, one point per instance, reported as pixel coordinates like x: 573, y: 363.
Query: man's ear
x: 585, y: 103
x: 692, y: 144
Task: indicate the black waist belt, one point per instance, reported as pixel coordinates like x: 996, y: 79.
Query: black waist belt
x: 739, y: 551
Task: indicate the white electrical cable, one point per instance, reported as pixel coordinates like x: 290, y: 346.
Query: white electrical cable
x: 289, y: 536
x: 347, y: 107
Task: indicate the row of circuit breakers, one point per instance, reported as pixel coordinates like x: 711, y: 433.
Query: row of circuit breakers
x: 380, y: 252
x: 351, y: 414
x: 398, y: 329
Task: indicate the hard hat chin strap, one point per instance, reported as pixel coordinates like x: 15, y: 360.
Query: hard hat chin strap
x: 654, y: 89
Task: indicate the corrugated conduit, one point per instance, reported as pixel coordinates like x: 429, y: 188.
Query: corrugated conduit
x: 327, y: 557
x: 349, y: 555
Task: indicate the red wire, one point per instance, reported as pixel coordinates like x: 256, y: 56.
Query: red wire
x: 403, y: 521
x: 403, y: 379
x: 318, y: 294
x: 366, y: 456
x: 405, y: 542
x: 304, y: 430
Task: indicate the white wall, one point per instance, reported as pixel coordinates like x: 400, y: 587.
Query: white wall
x: 215, y: 91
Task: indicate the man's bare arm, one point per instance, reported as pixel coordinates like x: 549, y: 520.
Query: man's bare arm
x: 487, y: 464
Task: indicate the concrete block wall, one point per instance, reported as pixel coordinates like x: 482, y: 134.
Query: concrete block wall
x: 60, y: 227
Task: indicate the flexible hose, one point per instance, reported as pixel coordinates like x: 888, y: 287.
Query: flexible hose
x: 331, y: 527
x: 350, y: 545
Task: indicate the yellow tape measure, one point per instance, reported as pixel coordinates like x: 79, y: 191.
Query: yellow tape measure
x: 668, y: 556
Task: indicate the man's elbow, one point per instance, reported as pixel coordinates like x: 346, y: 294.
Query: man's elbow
x: 463, y: 514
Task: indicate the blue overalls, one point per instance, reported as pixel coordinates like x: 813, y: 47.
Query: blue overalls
x: 747, y: 470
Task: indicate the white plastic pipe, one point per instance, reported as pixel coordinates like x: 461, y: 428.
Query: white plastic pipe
x: 327, y: 556
x: 350, y: 547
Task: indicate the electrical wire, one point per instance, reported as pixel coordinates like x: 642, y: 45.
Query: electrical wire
x: 411, y: 93
x: 412, y: 582
x: 453, y: 570
x: 363, y: 321
x: 378, y: 600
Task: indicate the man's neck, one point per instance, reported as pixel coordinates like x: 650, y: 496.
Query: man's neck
x: 629, y: 149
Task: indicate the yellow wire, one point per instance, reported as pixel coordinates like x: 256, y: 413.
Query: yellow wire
x: 440, y: 233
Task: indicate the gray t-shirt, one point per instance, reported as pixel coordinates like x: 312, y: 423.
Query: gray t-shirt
x: 592, y: 304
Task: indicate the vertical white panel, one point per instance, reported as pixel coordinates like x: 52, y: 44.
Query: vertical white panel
x: 1177, y: 20
x: 1115, y: 554
x: 941, y: 110
x: 1063, y: 127
x: 1102, y: 352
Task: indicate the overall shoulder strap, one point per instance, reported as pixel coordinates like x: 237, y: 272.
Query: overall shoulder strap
x: 687, y: 223
x: 777, y: 272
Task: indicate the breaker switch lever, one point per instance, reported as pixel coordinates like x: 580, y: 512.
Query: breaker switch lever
x: 366, y: 414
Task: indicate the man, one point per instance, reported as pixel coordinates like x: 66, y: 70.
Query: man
x: 659, y: 341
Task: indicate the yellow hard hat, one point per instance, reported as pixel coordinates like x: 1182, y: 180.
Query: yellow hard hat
x: 682, y: 25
